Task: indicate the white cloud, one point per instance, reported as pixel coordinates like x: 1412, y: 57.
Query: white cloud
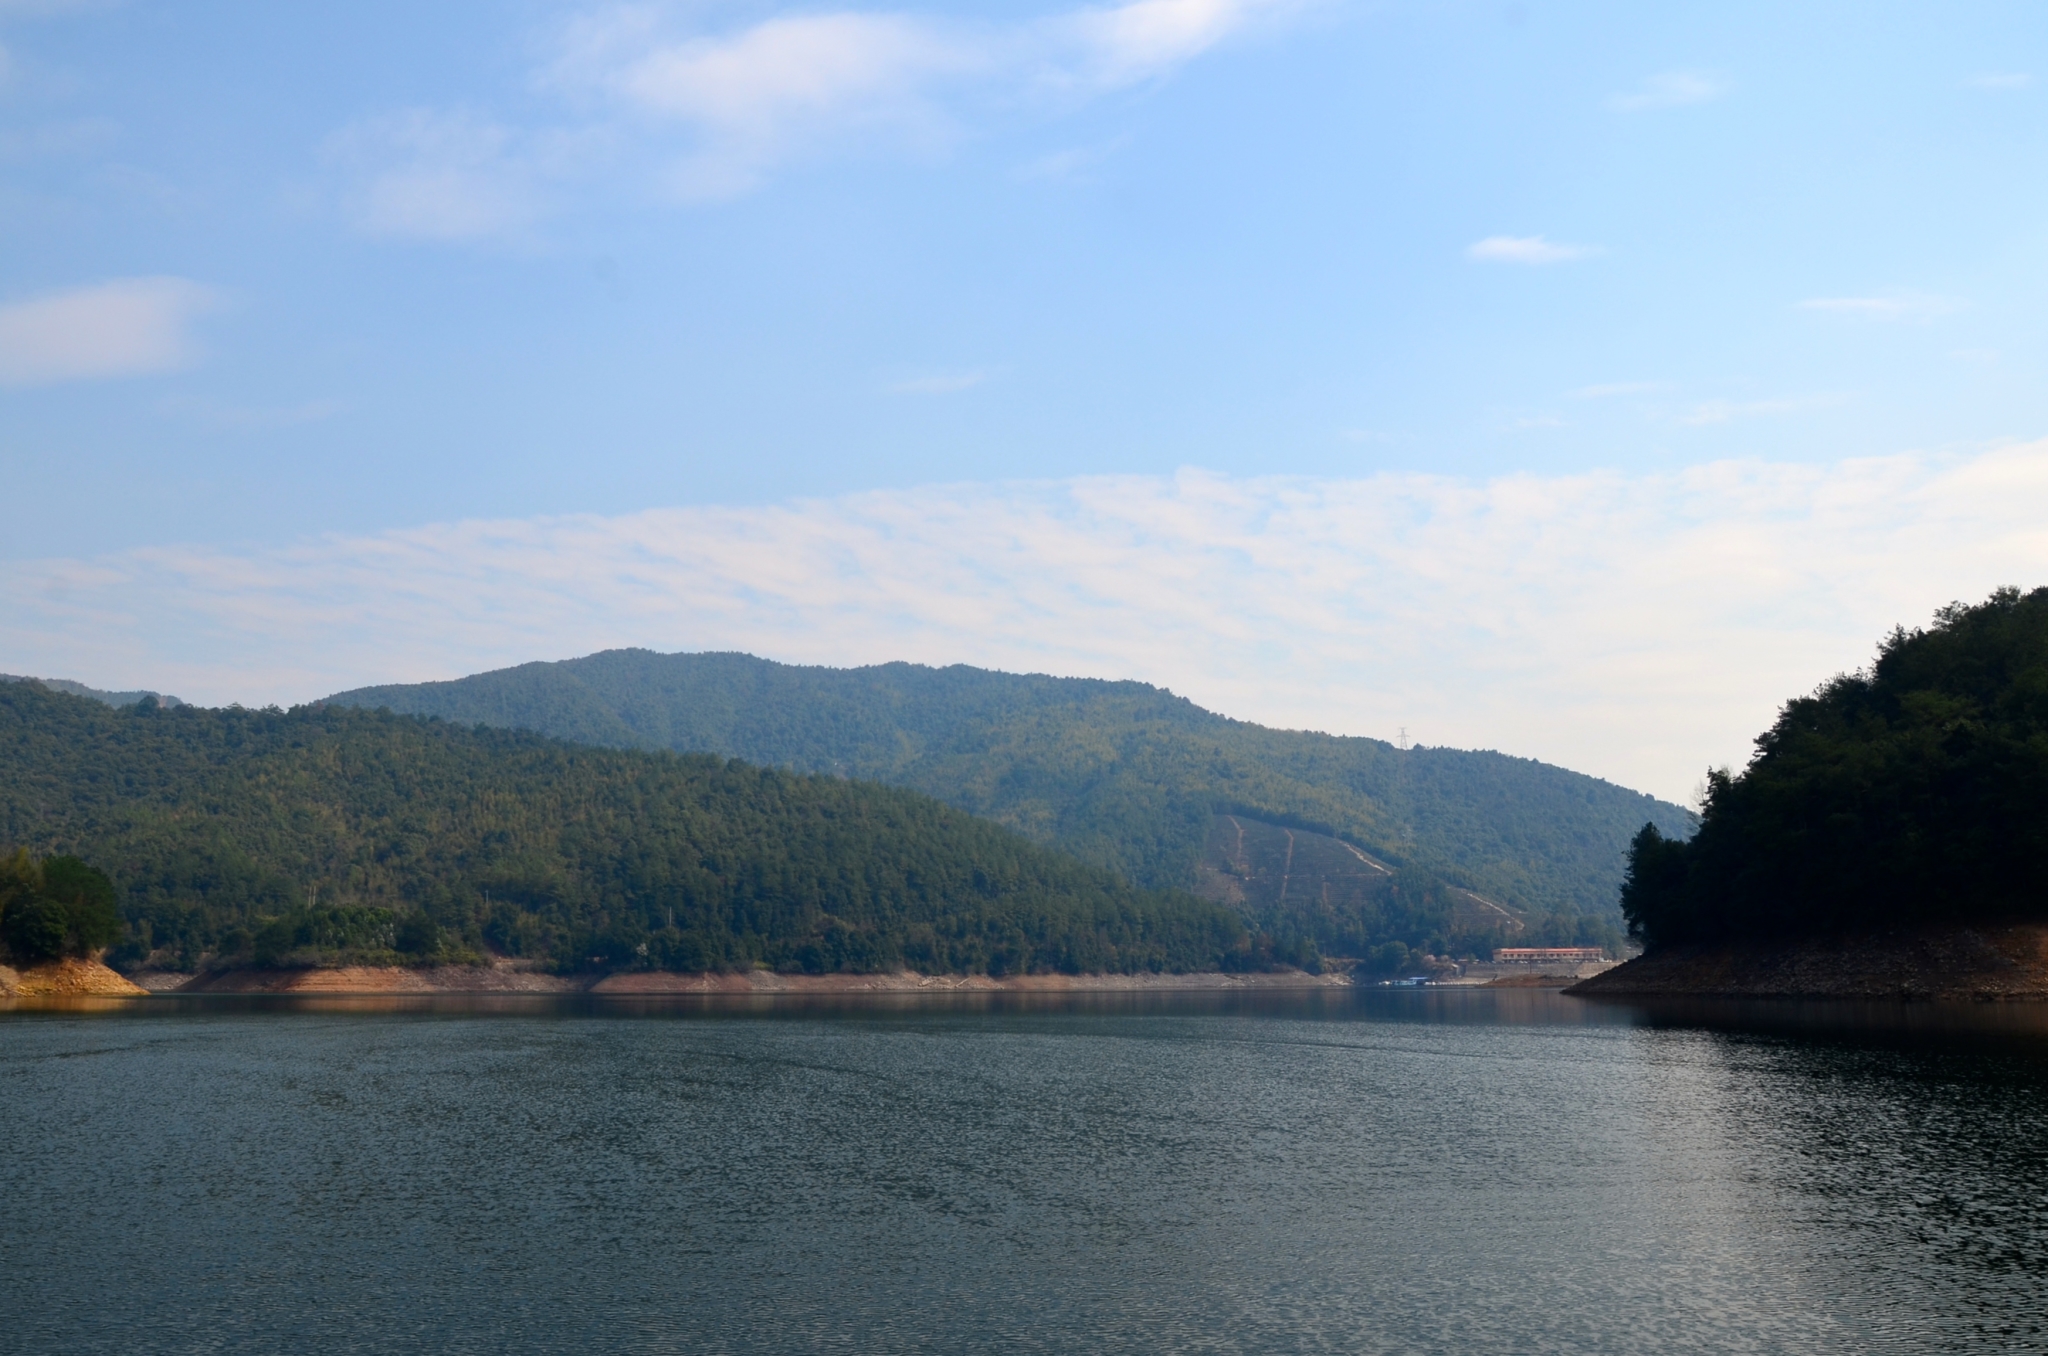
x: 1638, y: 626
x: 1672, y: 89
x: 1526, y: 249
x: 1606, y: 390
x: 1725, y: 411
x: 803, y: 66
x: 127, y: 327
x: 785, y: 86
x: 1899, y: 306
x: 798, y: 85
x: 433, y: 175
x: 2000, y: 80
x: 1124, y: 44
x: 1072, y: 165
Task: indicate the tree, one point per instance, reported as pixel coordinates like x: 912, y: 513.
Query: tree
x: 56, y: 907
x: 92, y: 910
x: 20, y: 878
x: 1912, y: 793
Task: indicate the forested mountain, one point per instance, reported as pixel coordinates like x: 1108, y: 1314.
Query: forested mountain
x: 97, y: 694
x: 328, y: 833
x: 1295, y: 883
x: 1120, y: 774
x: 1915, y: 792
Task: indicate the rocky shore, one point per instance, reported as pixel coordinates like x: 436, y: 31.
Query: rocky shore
x: 1984, y: 962
x: 68, y: 978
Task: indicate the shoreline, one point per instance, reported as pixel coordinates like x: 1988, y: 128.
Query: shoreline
x: 1986, y: 962
x: 506, y: 979
x: 70, y: 977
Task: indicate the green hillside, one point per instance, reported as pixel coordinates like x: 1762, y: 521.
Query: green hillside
x: 331, y: 833
x: 1120, y: 774
x: 1913, y: 793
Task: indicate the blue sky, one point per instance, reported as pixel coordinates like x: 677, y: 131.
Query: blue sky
x: 283, y: 275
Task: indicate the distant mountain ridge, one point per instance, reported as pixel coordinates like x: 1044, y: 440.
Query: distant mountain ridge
x: 1121, y: 774
x: 96, y: 694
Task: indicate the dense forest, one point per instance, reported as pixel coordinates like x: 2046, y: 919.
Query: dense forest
x: 334, y: 833
x: 1914, y: 792
x: 1120, y: 774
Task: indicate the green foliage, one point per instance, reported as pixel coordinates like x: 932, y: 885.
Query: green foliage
x: 93, y: 920
x: 1915, y: 792
x: 332, y: 833
x: 1388, y: 958
x: 37, y: 929
x: 1122, y: 775
x: 312, y: 936
x: 21, y: 877
x: 1320, y: 895
x: 55, y: 907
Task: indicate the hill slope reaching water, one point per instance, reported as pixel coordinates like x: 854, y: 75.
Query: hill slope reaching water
x: 331, y: 834
x: 1913, y: 794
x: 1121, y: 774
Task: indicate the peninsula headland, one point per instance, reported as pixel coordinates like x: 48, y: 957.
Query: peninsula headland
x: 1885, y: 841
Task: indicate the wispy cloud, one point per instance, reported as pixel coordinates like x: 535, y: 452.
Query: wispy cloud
x: 1121, y: 45
x: 1609, y: 389
x: 1726, y: 411
x: 127, y: 327
x: 1074, y: 163
x: 1526, y: 249
x: 428, y: 174
x: 781, y: 88
x: 2000, y: 80
x: 1896, y: 306
x: 1637, y: 626
x: 724, y: 110
x: 1671, y: 89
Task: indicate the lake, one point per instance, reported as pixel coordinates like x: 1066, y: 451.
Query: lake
x: 1357, y: 1171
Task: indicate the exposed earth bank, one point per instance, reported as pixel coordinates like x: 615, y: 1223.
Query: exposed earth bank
x: 507, y: 979
x: 68, y: 978
x: 1987, y: 961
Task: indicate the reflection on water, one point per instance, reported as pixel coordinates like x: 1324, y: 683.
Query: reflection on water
x: 1482, y: 1006
x: 1371, y: 1171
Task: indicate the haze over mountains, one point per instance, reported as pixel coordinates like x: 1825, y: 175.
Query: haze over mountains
x: 97, y: 694
x: 1120, y: 774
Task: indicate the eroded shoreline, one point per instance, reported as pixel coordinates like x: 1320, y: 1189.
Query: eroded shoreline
x: 1986, y: 962
x: 508, y: 979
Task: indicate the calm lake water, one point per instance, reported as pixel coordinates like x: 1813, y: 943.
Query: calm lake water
x: 1426, y: 1171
